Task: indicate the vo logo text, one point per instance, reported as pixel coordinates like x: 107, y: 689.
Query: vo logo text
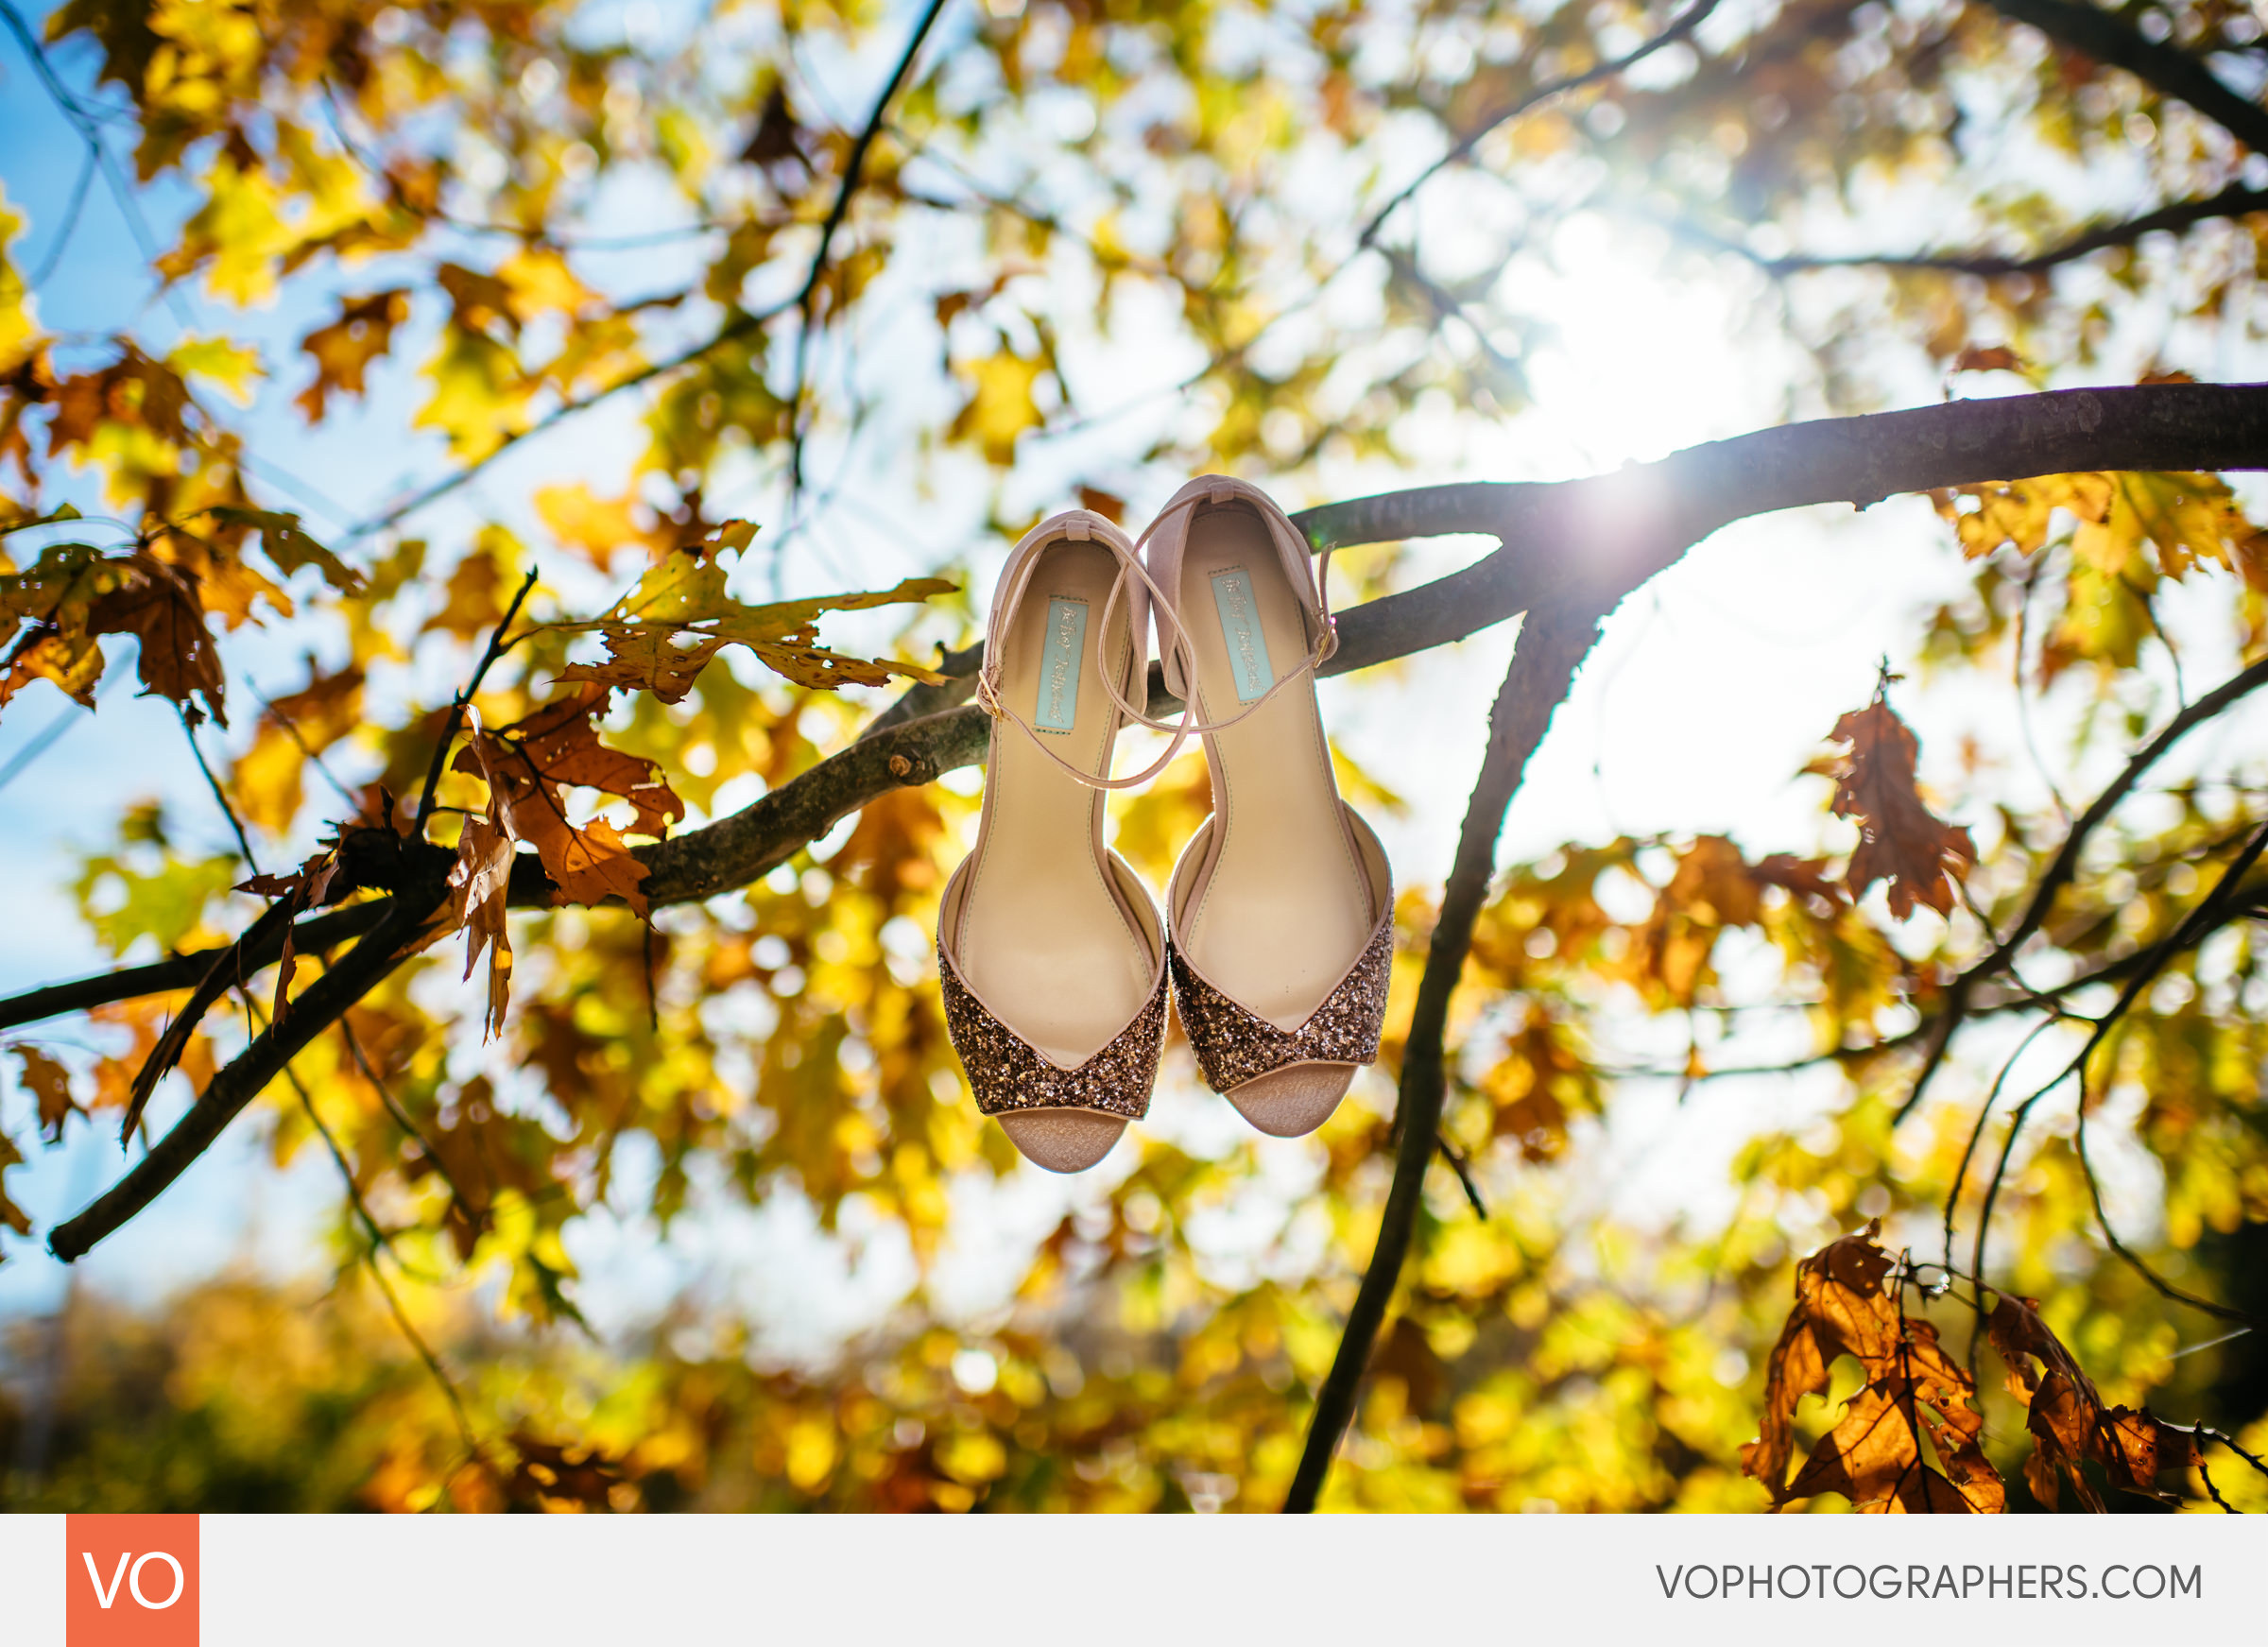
x: 131, y: 1581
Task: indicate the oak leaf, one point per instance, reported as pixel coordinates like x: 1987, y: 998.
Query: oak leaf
x: 2069, y: 1423
x: 11, y: 1214
x: 1804, y: 877
x: 49, y: 1084
x: 307, y: 887
x: 288, y: 544
x: 480, y: 886
x: 1873, y: 1455
x: 343, y: 350
x: 1900, y: 840
x: 661, y: 634
x: 529, y: 765
x: 1993, y: 358
x: 179, y: 657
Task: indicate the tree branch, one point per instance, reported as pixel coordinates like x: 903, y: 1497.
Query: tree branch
x: 1684, y: 24
x: 1553, y: 643
x: 1629, y: 526
x: 242, y: 1081
x: 2234, y: 201
x: 183, y: 972
x: 496, y: 649
x: 2110, y: 38
x: 737, y: 326
x: 806, y: 300
x: 2062, y: 867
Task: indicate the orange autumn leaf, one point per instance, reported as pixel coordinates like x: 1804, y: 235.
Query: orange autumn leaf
x: 479, y: 887
x: 531, y: 765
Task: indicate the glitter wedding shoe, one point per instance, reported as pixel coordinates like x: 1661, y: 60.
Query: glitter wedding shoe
x: 1279, y: 913
x: 1050, y: 950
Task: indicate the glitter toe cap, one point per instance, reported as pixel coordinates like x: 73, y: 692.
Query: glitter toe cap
x: 1235, y: 1045
x: 1007, y: 1074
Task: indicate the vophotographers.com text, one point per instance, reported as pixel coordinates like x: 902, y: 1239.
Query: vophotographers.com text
x: 1917, y: 1581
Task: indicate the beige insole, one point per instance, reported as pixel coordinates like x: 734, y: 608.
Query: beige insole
x: 1044, y: 938
x: 1285, y: 907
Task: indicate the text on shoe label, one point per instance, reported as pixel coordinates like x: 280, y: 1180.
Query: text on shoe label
x: 1060, y: 664
x: 1240, y: 628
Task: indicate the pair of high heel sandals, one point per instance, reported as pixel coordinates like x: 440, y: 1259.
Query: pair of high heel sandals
x: 1278, y: 933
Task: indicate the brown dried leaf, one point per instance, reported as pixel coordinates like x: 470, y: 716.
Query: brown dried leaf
x: 479, y: 883
x: 179, y: 657
x: 529, y: 768
x: 11, y: 1214
x: 1901, y: 841
x: 1804, y: 877
x: 343, y: 350
x: 1875, y: 1453
x: 304, y: 888
x: 49, y: 1084
x: 1997, y: 357
x: 2069, y: 1422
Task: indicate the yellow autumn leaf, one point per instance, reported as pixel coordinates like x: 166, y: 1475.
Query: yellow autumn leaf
x: 1001, y: 406
x: 233, y: 367
x: 540, y: 282
x: 19, y: 322
x: 580, y: 519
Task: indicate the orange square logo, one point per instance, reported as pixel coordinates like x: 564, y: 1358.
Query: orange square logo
x: 131, y: 1580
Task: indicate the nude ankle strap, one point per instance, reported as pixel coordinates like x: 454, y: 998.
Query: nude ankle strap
x: 1075, y: 526
x: 1309, y: 579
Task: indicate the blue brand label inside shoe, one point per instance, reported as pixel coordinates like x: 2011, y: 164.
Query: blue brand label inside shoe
x: 1060, y: 664
x: 1240, y: 628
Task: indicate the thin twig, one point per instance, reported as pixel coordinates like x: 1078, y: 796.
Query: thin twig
x: 1952, y: 1195
x: 498, y: 646
x: 2063, y: 867
x: 379, y: 1237
x: 2206, y: 1476
x: 69, y: 226
x: 393, y: 1107
x: 2184, y: 933
x: 291, y: 731
x: 739, y: 325
x: 1685, y: 24
x: 806, y: 299
x: 2234, y: 201
x: 82, y: 122
x: 244, y: 841
x: 1463, y: 1168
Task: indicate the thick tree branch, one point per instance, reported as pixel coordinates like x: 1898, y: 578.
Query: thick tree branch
x: 1551, y: 643
x: 2108, y: 39
x: 183, y: 972
x: 1600, y: 537
x: 242, y: 1081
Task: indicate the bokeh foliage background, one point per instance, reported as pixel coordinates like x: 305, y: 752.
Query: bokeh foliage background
x: 1093, y: 247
